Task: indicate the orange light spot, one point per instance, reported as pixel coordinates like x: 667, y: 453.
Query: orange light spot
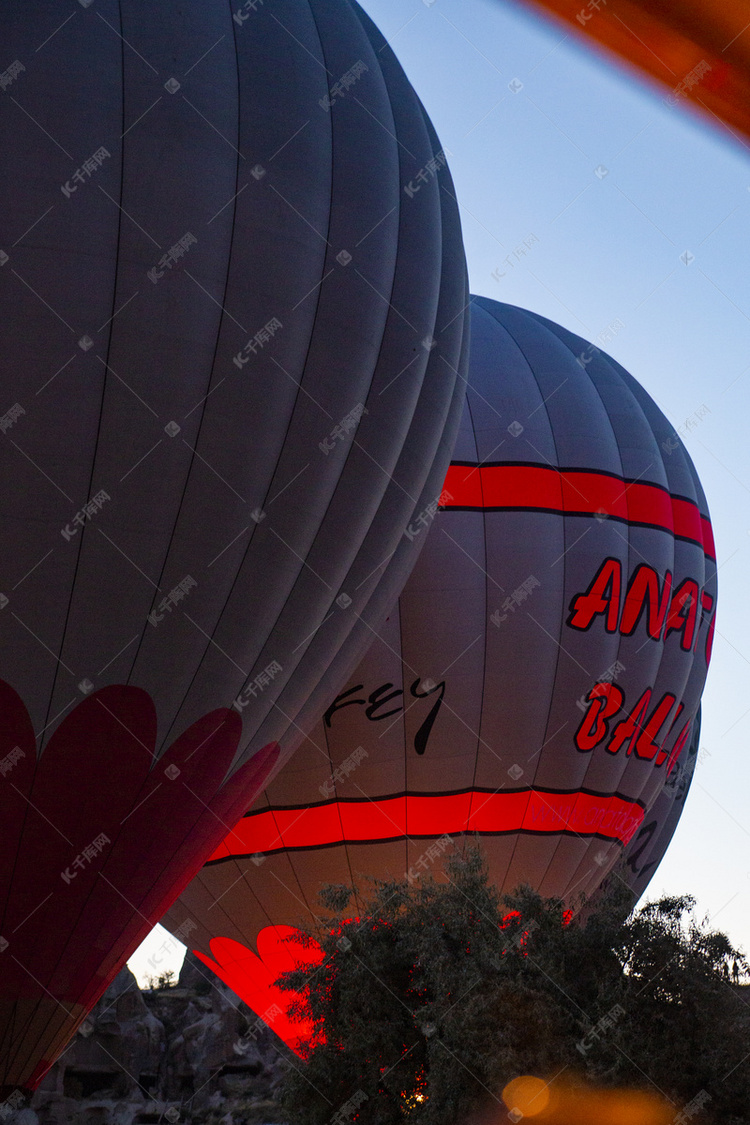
x: 527, y: 1094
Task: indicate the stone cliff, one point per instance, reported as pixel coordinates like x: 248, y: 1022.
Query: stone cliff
x: 189, y: 1053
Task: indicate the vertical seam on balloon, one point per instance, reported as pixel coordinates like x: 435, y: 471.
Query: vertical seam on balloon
x: 160, y: 748
x: 402, y: 720
x: 376, y: 366
x: 341, y: 824
x: 231, y: 923
x: 198, y: 878
x: 343, y: 839
x: 670, y: 823
x: 526, y: 315
x: 478, y: 470
x: 286, y: 857
x: 46, y: 733
x: 9, y: 1037
x: 220, y: 614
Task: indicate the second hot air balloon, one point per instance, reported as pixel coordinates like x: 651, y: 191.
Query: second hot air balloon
x: 539, y: 678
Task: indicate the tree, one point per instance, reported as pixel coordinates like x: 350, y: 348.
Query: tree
x: 441, y: 993
x: 167, y: 979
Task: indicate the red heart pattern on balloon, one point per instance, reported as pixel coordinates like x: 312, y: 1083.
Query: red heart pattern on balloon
x: 253, y: 976
x: 98, y: 840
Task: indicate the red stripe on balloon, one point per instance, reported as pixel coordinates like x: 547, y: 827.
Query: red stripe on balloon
x: 575, y: 492
x: 362, y: 821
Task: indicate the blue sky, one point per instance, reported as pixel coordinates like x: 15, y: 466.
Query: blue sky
x: 580, y: 190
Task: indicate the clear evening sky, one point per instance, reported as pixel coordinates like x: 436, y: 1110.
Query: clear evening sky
x: 588, y: 199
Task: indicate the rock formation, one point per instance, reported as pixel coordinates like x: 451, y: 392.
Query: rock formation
x: 187, y: 1053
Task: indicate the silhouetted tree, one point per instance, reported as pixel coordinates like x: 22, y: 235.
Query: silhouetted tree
x: 440, y: 993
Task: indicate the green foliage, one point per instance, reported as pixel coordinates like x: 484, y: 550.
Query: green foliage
x: 441, y: 993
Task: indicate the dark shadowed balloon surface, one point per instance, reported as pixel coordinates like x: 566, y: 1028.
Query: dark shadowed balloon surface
x: 234, y: 302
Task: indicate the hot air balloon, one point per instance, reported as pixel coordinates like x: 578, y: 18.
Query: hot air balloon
x: 641, y: 858
x: 696, y: 52
x: 234, y: 297
x: 537, y: 683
